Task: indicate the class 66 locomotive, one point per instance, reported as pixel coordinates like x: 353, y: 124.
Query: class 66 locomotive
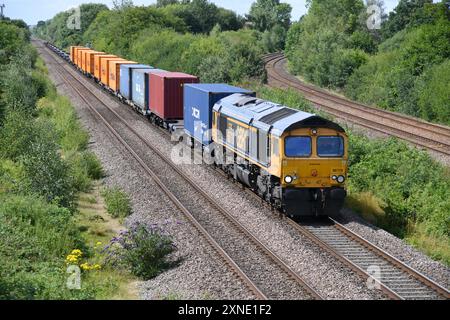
x: 294, y: 160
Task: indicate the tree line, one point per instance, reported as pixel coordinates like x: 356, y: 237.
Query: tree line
x: 404, y: 66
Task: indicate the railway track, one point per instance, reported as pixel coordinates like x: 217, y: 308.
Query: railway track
x: 393, y: 277
x: 423, y: 134
x: 259, y: 268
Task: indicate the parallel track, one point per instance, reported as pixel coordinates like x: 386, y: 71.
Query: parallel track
x: 418, y: 132
x: 258, y: 280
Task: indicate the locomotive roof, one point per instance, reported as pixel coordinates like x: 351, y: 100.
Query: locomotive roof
x: 270, y: 116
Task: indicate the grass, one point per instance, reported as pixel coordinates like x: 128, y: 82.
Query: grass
x: 117, y: 202
x: 371, y: 209
x: 367, y: 205
x: 98, y: 226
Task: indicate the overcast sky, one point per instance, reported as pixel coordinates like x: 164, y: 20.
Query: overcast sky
x: 34, y: 10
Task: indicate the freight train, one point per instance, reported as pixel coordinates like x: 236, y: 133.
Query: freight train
x: 294, y: 160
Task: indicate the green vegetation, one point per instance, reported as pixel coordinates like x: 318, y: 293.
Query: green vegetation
x: 329, y: 43
x: 392, y: 185
x: 44, y: 165
x: 142, y: 249
x: 118, y: 203
x: 195, y: 36
x: 403, y: 67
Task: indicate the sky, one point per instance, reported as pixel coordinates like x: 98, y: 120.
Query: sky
x: 34, y: 10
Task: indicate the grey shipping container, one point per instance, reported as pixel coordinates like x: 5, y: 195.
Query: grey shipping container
x: 140, y: 88
x: 125, y: 78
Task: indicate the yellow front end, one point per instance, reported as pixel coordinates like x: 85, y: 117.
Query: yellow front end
x: 313, y: 170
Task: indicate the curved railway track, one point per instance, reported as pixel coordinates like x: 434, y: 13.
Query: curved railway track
x: 229, y: 238
x: 423, y: 134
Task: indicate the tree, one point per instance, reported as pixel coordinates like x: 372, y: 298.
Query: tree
x: 122, y: 4
x: 265, y: 14
x: 163, y: 3
x: 402, y: 16
x: 330, y: 42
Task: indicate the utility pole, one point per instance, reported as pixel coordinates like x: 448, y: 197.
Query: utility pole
x: 1, y: 10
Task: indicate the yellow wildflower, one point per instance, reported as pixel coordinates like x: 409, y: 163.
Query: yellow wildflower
x: 85, y: 266
x: 77, y: 253
x: 72, y: 259
x: 98, y: 243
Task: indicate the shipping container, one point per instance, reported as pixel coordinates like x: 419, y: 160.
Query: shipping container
x: 125, y: 78
x: 199, y: 100
x: 97, y: 64
x: 104, y: 78
x: 75, y: 54
x: 114, y: 73
x: 90, y: 62
x: 84, y: 57
x: 80, y: 56
x: 166, y: 94
x: 72, y: 52
x: 140, y: 88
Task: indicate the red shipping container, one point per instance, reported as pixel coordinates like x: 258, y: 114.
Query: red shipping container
x: 166, y: 93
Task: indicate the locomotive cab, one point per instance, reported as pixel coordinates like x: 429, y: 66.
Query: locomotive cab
x: 313, y: 170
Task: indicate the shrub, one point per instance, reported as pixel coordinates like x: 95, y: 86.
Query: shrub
x: 143, y: 249
x: 59, y: 111
x: 118, y: 203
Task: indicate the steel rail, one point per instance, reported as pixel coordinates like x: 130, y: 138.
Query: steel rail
x: 291, y: 273
x: 385, y: 114
x: 225, y: 257
x: 427, y: 143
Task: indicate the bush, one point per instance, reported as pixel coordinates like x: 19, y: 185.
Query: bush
x: 59, y: 111
x: 118, y: 203
x: 410, y: 186
x: 433, y: 90
x: 408, y: 75
x: 34, y: 237
x: 143, y: 249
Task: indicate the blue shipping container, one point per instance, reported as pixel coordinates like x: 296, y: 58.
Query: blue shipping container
x: 125, y: 78
x: 199, y: 100
x: 140, y: 88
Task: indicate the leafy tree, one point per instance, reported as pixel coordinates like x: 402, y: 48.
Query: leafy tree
x: 402, y: 16
x: 12, y: 40
x: 433, y: 89
x: 393, y: 79
x: 163, y: 3
x: 57, y: 31
x: 274, y: 39
x: 229, y: 20
x: 330, y: 42
x: 127, y: 26
x: 266, y: 14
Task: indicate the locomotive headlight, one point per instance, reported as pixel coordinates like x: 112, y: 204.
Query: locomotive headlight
x: 288, y: 179
x: 334, y: 178
x: 341, y: 179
